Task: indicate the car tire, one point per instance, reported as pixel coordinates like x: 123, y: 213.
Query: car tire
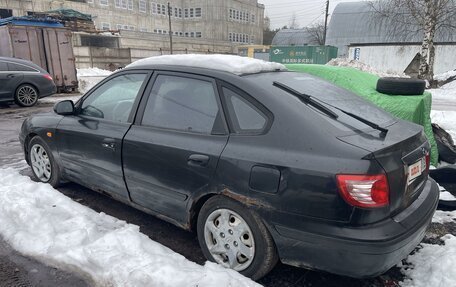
x: 401, y: 86
x: 44, y: 167
x: 26, y: 95
x: 225, y: 227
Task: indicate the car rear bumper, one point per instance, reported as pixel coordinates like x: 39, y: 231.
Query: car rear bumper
x: 47, y: 90
x: 364, y: 251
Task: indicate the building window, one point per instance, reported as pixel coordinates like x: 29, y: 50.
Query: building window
x: 163, y: 9
x: 198, y: 12
x: 142, y: 6
x: 253, y: 18
x: 105, y: 26
x: 252, y: 39
x: 124, y: 4
x: 186, y: 12
x: 153, y: 7
x: 198, y: 35
x: 191, y: 13
x: 5, y: 13
x: 104, y: 2
x: 90, y: 1
x: 143, y: 29
x: 130, y: 4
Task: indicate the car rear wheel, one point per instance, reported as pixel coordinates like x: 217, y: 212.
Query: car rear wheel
x: 26, y: 96
x: 42, y: 162
x: 235, y: 237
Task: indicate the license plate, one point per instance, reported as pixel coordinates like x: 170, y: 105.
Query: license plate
x: 416, y: 169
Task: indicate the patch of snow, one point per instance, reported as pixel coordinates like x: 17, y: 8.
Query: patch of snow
x: 228, y: 63
x: 446, y: 92
x: 92, y: 72
x: 432, y: 265
x: 445, y: 76
x: 445, y: 195
x: 344, y: 62
x: 39, y: 221
x: 444, y: 216
x: 446, y: 120
x: 56, y: 99
x: 87, y: 78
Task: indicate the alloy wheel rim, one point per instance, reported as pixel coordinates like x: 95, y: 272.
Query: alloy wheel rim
x: 41, y: 163
x: 229, y: 239
x: 27, y: 95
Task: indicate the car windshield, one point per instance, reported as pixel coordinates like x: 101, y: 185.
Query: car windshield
x: 330, y: 96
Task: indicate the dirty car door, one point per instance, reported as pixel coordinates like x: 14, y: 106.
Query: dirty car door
x: 171, y: 153
x: 90, y: 142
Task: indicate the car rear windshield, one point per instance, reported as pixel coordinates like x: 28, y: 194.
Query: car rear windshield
x: 329, y: 95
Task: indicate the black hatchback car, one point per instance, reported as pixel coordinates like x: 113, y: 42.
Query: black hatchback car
x: 23, y: 82
x: 265, y: 164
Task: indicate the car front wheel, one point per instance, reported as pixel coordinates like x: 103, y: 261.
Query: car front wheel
x: 26, y: 96
x: 235, y: 237
x: 42, y: 162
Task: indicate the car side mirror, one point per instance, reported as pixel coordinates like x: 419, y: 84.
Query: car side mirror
x: 64, y: 108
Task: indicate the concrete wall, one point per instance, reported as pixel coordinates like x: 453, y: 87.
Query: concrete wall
x: 214, y: 23
x: 396, y: 58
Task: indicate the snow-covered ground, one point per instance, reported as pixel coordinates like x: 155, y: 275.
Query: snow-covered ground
x: 432, y: 265
x: 39, y: 221
x: 445, y: 76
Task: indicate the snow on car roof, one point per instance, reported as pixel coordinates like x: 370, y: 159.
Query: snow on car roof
x: 228, y: 63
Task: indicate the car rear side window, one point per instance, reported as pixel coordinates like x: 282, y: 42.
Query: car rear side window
x: 114, y: 99
x: 245, y: 116
x: 20, y: 68
x: 182, y: 103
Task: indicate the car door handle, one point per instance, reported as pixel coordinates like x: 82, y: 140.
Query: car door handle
x: 109, y: 143
x: 198, y: 160
x: 9, y: 76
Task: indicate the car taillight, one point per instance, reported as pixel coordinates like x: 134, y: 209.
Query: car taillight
x: 49, y: 77
x: 364, y: 190
x: 428, y: 161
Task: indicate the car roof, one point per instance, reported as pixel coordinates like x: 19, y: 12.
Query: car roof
x: 215, y: 62
x: 23, y: 62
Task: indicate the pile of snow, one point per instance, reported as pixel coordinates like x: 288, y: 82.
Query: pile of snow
x: 228, y: 63
x: 445, y: 76
x: 445, y: 93
x: 39, y: 221
x: 344, y: 62
x: 432, y: 265
x: 93, y: 72
x: 87, y: 78
x: 441, y: 216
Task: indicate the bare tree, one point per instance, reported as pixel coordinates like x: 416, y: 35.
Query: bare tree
x: 411, y: 17
x: 316, y: 33
x: 294, y: 24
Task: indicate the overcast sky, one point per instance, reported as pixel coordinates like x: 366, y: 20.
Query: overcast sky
x: 307, y: 11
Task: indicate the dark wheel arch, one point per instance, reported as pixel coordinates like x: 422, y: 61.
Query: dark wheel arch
x: 401, y: 86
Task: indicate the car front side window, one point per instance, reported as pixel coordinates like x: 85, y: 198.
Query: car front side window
x: 114, y: 99
x: 181, y: 103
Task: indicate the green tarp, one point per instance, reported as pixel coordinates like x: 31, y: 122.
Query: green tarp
x: 416, y: 109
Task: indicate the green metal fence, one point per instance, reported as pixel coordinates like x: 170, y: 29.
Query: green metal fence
x: 302, y: 54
